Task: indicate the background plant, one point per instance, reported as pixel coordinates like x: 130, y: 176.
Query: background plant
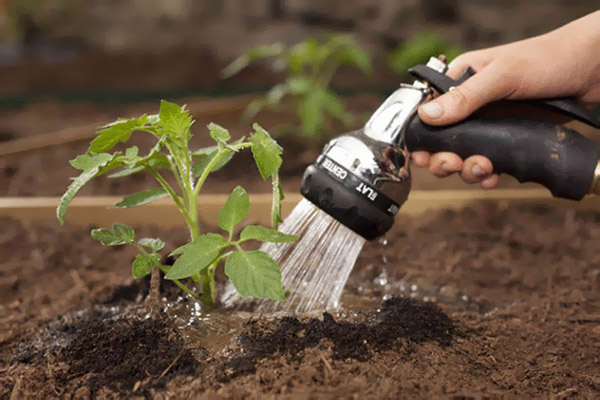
x: 309, y: 67
x: 253, y: 273
x: 418, y: 49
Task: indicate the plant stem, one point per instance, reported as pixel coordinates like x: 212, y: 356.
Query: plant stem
x: 171, y: 192
x: 181, y: 286
x: 154, y: 295
x: 214, y: 162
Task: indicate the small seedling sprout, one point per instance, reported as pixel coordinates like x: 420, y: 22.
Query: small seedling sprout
x: 252, y: 273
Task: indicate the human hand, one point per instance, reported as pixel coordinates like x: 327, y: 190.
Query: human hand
x: 564, y: 62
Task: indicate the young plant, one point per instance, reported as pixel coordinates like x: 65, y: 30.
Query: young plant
x: 309, y: 67
x: 253, y: 273
x: 418, y: 49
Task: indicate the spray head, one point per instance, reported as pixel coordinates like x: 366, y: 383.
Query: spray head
x: 362, y: 178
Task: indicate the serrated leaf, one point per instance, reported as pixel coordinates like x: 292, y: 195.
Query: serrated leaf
x: 266, y: 152
x: 157, y: 161
x: 220, y: 134
x: 196, y: 255
x: 94, y: 165
x: 120, y: 234
x: 113, y: 133
x: 143, y: 264
x: 88, y: 161
x: 152, y: 243
x: 264, y: 234
x: 254, y: 273
x: 175, y: 120
x: 235, y: 209
x: 141, y: 197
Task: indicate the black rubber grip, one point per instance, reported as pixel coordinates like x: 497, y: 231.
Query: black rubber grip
x: 559, y: 158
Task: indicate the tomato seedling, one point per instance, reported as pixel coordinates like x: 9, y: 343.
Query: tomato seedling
x: 252, y: 273
x: 309, y: 67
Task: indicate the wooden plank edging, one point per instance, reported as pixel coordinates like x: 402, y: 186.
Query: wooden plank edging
x: 93, y: 210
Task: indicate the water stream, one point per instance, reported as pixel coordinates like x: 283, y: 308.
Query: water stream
x: 315, y: 268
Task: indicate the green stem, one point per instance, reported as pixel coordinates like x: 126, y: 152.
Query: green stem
x: 164, y: 269
x: 214, y: 162
x: 171, y: 192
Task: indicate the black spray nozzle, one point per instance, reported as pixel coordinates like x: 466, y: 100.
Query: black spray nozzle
x: 354, y: 203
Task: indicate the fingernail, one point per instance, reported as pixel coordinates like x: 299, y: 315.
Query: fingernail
x: 432, y: 109
x: 477, y: 171
x: 446, y: 168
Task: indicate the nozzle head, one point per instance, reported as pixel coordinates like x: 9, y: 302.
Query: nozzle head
x: 324, y: 184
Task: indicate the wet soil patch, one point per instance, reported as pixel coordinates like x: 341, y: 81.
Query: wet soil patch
x: 414, y: 321
x: 127, y: 353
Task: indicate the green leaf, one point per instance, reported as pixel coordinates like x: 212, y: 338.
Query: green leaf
x: 175, y: 120
x: 157, y: 161
x: 264, y: 234
x: 88, y: 161
x: 141, y: 197
x: 120, y: 234
x: 118, y: 131
x: 196, y: 255
x: 254, y: 273
x: 152, y: 243
x: 93, y: 165
x: 234, y: 210
x: 143, y: 264
x: 266, y: 152
x: 220, y: 134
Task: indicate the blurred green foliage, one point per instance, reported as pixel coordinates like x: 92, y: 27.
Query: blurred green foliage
x: 309, y: 67
x: 418, y: 49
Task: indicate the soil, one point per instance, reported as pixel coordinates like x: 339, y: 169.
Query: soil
x: 482, y: 302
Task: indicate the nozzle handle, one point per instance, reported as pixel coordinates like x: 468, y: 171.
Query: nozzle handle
x: 559, y: 158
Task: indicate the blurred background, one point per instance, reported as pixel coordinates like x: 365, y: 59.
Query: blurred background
x: 67, y: 66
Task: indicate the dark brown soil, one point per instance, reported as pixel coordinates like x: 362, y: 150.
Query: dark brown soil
x: 412, y: 320
x: 125, y: 353
x: 512, y: 310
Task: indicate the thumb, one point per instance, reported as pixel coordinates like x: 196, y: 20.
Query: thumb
x: 486, y: 86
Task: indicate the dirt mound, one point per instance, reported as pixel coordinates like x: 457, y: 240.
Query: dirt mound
x: 127, y: 354
x: 398, y: 318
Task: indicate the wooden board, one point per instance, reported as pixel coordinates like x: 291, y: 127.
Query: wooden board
x: 94, y: 211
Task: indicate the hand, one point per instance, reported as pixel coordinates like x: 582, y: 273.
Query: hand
x: 564, y: 62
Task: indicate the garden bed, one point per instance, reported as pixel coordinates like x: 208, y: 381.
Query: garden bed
x: 492, y: 299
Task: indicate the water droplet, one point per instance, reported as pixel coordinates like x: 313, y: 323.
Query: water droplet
x: 384, y: 258
x: 465, y: 298
x: 382, y: 279
x: 413, y: 288
x: 383, y: 241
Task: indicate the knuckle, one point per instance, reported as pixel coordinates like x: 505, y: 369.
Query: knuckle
x: 460, y: 97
